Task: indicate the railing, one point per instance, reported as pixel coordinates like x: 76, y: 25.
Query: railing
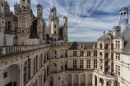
x: 15, y: 49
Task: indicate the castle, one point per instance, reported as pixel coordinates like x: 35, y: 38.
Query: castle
x: 34, y: 54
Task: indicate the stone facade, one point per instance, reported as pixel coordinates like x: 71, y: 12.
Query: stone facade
x: 33, y: 54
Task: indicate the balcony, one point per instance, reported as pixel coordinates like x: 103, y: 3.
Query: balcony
x: 17, y: 49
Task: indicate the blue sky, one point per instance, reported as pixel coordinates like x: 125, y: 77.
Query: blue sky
x: 87, y: 19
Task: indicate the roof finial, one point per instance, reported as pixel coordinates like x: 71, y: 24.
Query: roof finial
x: 123, y: 3
x: 104, y: 33
x: 53, y: 3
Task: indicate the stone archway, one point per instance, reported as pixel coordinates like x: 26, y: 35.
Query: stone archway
x: 10, y: 76
x: 62, y: 66
x: 82, y: 80
x: 53, y: 68
x: 75, y: 80
x: 69, y: 79
x: 53, y: 54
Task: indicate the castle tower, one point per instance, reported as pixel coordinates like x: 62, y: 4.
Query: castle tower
x: 123, y: 22
x: 39, y: 11
x: 53, y: 12
x: 40, y: 22
x: 54, y: 24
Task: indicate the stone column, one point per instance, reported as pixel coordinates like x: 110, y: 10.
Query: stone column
x: 98, y: 82
x: 57, y: 67
x: 86, y: 80
x: 32, y: 65
x: 92, y: 64
x: 112, y: 83
x: 72, y: 80
x: 105, y: 82
x: 21, y: 74
x: 79, y: 79
x: 93, y: 80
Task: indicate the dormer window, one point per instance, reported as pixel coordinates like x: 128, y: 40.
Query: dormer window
x: 81, y: 46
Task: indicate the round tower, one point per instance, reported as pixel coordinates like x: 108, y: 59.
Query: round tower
x: 123, y: 22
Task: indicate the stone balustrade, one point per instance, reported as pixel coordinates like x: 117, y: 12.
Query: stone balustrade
x: 15, y: 49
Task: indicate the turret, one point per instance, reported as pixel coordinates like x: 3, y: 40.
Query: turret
x: 123, y: 17
x: 39, y: 10
x: 53, y: 12
x: 65, y: 20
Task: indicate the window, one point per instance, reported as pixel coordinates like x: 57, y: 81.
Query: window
x: 106, y: 55
x: 100, y: 45
x: 95, y: 53
x: 88, y: 53
x: 61, y: 67
x: 100, y: 53
x: 117, y: 44
x: 5, y: 75
x: 117, y: 83
x: 117, y: 56
x: 88, y: 63
x: 74, y: 63
x: 81, y: 53
x: 74, y: 53
x: 95, y: 63
x: 81, y: 46
x: 81, y: 63
x: 117, y: 70
x: 54, y: 32
x: 54, y: 26
x: 106, y: 46
x: 2, y: 4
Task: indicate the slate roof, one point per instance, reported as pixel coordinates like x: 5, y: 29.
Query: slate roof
x: 123, y: 9
x: 126, y: 35
x: 87, y: 45
x: 127, y: 47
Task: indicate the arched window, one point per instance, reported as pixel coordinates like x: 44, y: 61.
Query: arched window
x: 112, y: 45
x: 100, y: 53
x: 100, y: 45
x: 106, y: 46
x: 106, y: 55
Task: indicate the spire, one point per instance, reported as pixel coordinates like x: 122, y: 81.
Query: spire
x: 103, y: 33
x: 53, y: 3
